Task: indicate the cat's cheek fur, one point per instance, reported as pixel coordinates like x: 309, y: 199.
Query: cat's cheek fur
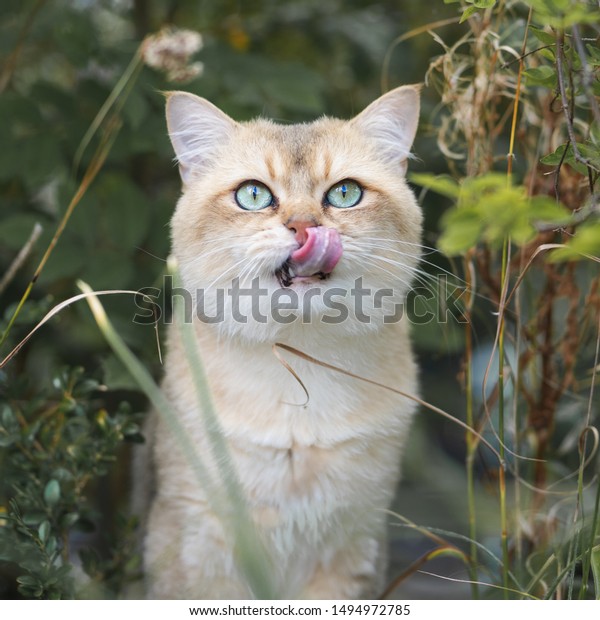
x: 318, y: 473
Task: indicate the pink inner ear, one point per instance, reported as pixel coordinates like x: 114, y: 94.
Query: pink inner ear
x: 320, y: 252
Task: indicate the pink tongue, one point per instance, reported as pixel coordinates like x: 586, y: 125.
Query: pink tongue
x: 319, y: 254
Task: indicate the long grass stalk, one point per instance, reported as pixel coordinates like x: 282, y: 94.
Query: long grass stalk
x: 592, y: 548
x: 122, y: 87
x: 503, y: 284
x: 250, y: 554
x: 593, y: 558
x: 437, y: 552
x: 501, y: 469
x: 471, y: 444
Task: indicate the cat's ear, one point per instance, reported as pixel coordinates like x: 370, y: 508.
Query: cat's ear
x: 196, y: 128
x: 392, y: 122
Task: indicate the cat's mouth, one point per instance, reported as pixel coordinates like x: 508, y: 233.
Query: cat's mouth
x: 286, y: 275
x: 315, y: 258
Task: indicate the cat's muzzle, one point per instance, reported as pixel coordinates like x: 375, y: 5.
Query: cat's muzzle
x: 316, y: 257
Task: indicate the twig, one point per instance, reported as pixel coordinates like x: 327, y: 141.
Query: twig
x: 558, y: 169
x: 524, y: 55
x: 560, y: 43
x: 21, y: 257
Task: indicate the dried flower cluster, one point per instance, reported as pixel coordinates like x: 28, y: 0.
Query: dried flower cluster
x: 170, y: 51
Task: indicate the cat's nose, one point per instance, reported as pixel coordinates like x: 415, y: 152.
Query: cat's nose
x: 299, y: 225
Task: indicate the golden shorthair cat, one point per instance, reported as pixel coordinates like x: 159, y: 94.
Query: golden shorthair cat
x: 313, y: 214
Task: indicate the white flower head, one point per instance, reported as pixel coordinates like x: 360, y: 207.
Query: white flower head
x: 170, y: 51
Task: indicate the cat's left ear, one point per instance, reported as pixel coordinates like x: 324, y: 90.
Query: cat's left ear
x: 197, y: 129
x: 392, y: 122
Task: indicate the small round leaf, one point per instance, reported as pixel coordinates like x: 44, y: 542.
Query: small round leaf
x: 43, y: 531
x: 52, y: 492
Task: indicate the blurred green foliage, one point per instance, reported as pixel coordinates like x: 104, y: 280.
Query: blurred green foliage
x: 62, y: 431
x: 489, y: 209
x: 55, y: 442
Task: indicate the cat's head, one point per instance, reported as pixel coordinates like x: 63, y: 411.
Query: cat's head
x: 314, y: 215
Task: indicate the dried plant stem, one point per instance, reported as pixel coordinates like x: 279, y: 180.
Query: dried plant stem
x: 518, y: 531
x: 566, y: 108
x: 513, y: 129
x: 595, y: 529
x: 444, y: 550
x: 125, y: 83
x: 501, y: 478
x: 21, y: 257
x: 510, y: 159
x: 251, y: 556
x: 471, y: 440
x: 416, y: 399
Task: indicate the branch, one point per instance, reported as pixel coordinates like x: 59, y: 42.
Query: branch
x: 560, y: 44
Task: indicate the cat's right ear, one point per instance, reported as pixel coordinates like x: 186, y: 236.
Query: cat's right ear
x: 392, y: 122
x: 196, y: 128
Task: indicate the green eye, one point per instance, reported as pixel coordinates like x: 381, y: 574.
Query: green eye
x: 253, y: 196
x: 344, y: 194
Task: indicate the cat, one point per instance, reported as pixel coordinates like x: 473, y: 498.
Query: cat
x: 312, y: 214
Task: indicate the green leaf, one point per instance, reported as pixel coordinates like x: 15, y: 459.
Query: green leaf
x: 588, y: 150
x: 51, y: 545
x: 548, y: 54
x: 564, y: 13
x: 65, y: 261
x: 541, y: 76
x: 596, y: 570
x: 52, y: 492
x: 27, y: 580
x: 44, y: 531
x: 591, y: 152
x: 484, y: 4
x: 554, y: 159
x: 594, y: 55
x: 460, y: 236
x: 595, y: 133
x: 586, y: 241
x: 111, y: 268
x: 546, y: 210
x: 8, y: 417
x: 470, y: 10
x: 441, y: 184
x: 542, y: 36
